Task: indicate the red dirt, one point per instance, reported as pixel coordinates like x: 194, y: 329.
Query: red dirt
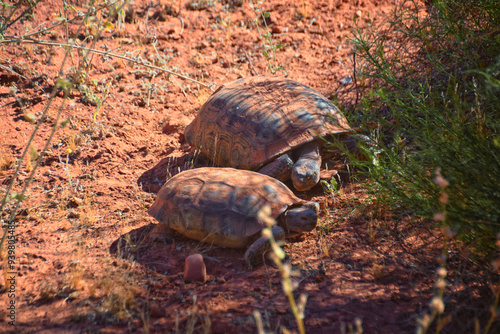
x: 83, y: 260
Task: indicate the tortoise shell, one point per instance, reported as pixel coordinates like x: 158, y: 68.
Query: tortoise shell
x: 220, y: 205
x: 251, y: 121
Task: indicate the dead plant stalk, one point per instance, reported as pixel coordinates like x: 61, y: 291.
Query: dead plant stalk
x: 104, y: 53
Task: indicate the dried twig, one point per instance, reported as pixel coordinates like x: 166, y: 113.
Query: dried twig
x: 13, y: 72
x: 104, y: 53
x: 180, y: 87
x: 355, y: 80
x: 250, y: 62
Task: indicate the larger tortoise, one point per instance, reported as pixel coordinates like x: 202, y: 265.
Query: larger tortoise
x: 270, y: 125
x: 220, y: 206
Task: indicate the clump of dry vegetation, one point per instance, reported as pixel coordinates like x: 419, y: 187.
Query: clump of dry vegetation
x: 431, y: 98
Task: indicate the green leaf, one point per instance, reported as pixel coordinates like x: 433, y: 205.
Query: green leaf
x: 267, y: 14
x: 19, y: 197
x: 33, y: 153
x: 63, y: 83
x: 108, y: 25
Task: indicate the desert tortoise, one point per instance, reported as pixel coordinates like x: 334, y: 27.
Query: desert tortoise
x: 271, y: 125
x: 220, y: 206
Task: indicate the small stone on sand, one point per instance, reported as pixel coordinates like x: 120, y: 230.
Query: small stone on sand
x: 195, y: 269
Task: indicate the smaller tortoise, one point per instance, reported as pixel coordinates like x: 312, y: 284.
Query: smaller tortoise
x: 220, y: 206
x: 271, y: 125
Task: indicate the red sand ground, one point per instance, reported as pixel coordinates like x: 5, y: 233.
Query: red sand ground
x: 84, y: 261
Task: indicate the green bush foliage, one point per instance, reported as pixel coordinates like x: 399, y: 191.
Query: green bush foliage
x: 430, y: 96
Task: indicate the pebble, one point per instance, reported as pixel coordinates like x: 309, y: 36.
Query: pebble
x: 195, y: 269
x: 327, y: 174
x: 276, y: 30
x: 73, y: 214
x: 75, y: 202
x: 156, y: 310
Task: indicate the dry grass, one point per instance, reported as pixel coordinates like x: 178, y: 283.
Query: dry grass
x: 304, y: 10
x: 200, y: 4
x: 6, y: 159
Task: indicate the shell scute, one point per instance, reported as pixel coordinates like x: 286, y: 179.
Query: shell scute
x: 215, y: 196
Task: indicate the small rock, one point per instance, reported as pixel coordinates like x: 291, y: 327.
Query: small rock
x: 58, y: 264
x: 138, y: 102
x: 75, y: 202
x: 156, y: 310
x: 327, y: 174
x: 358, y: 13
x: 346, y: 81
x: 195, y: 269
x: 73, y: 214
x: 74, y: 295
x: 276, y: 30
x: 175, y: 125
x: 225, y: 63
x: 281, y: 310
x: 162, y: 322
x: 124, y: 171
x: 173, y: 262
x: 135, y: 324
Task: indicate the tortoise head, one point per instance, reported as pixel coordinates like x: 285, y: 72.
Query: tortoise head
x: 305, y: 172
x: 305, y: 175
x: 300, y: 219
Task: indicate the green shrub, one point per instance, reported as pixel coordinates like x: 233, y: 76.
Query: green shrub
x: 430, y: 96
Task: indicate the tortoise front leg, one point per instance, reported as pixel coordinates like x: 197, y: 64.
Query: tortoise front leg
x: 160, y: 232
x: 253, y: 255
x: 280, y: 168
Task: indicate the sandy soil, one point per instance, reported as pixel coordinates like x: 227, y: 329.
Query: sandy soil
x: 84, y: 262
